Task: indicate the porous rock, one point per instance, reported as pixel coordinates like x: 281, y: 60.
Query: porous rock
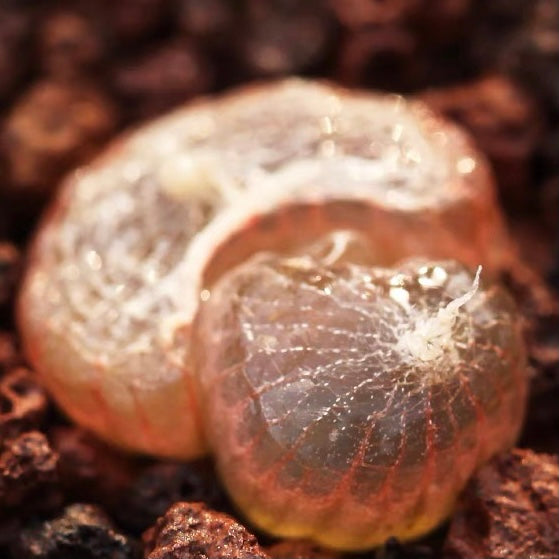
x: 509, y: 509
x: 192, y: 531
x: 27, y: 472
x: 23, y: 403
x: 81, y: 531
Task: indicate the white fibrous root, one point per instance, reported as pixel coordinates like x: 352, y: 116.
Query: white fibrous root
x: 431, y: 337
x: 340, y: 242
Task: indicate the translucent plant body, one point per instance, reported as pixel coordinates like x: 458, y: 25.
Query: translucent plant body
x: 132, y: 240
x: 347, y: 403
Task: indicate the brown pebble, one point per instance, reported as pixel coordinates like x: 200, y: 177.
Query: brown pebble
x: 166, y: 76
x: 191, y: 530
x: 510, y: 509
x: 23, y: 403
x: 283, y: 37
x: 28, y: 472
x: 540, y: 307
x: 361, y: 13
x: 69, y: 45
x: 52, y: 128
x: 210, y: 21
x: 80, y: 532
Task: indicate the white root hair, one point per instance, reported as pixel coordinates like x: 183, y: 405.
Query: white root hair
x: 431, y: 337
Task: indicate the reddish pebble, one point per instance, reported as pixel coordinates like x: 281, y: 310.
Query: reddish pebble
x: 510, y: 509
x: 190, y: 530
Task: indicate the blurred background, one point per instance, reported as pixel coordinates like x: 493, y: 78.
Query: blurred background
x: 73, y: 74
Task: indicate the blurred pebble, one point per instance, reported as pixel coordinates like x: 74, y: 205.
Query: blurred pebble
x: 51, y: 128
x: 509, y: 509
x: 166, y: 76
x: 193, y: 531
x: 80, y: 532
